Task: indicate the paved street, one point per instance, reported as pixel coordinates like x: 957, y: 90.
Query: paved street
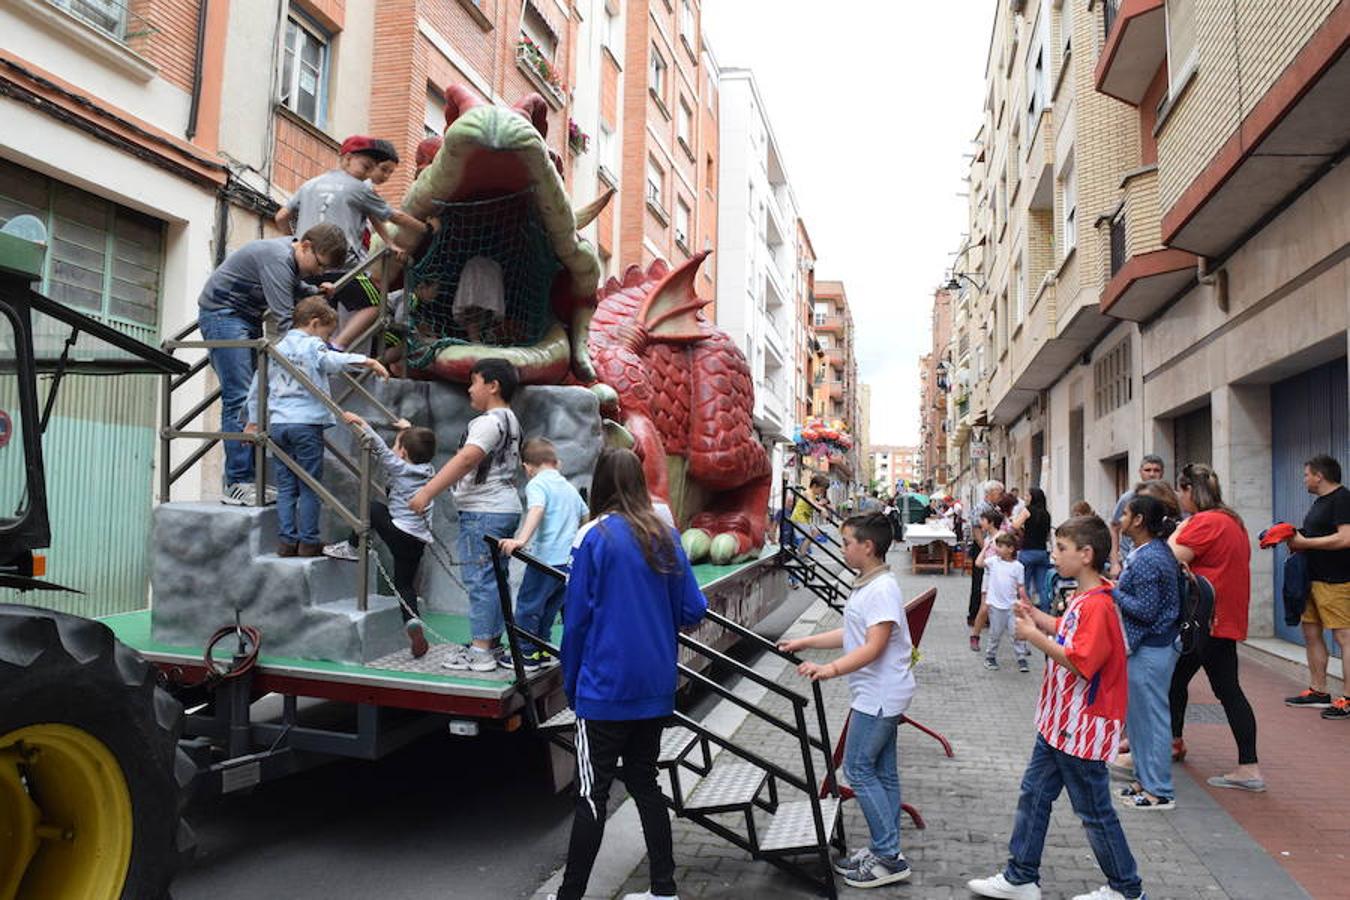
x: 1198, y: 851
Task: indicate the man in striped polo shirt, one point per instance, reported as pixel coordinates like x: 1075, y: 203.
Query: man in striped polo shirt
x: 1080, y: 715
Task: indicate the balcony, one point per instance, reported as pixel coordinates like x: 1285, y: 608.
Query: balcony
x: 829, y: 324
x: 1136, y: 47
x: 835, y: 357
x: 1038, y: 177
x: 1295, y: 133
x: 1145, y: 275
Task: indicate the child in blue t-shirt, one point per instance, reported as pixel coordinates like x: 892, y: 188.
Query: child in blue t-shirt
x: 554, y: 513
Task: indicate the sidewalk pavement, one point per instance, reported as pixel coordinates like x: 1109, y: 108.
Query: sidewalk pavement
x: 1214, y: 845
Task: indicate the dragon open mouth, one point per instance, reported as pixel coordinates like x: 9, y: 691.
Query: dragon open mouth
x: 505, y: 273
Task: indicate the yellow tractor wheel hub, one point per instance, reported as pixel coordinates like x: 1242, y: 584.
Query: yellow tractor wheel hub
x: 65, y: 816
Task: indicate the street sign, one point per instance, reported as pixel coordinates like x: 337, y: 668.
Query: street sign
x: 979, y: 450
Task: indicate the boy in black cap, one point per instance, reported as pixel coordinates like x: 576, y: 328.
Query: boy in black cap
x: 344, y: 197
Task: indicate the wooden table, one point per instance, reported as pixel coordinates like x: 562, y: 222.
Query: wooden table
x: 930, y: 547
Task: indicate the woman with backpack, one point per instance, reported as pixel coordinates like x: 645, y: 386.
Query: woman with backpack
x: 1148, y: 596
x: 1213, y: 542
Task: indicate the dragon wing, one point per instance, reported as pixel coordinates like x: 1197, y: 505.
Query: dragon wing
x: 671, y: 313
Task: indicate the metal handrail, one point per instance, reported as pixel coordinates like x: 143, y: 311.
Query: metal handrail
x: 829, y: 512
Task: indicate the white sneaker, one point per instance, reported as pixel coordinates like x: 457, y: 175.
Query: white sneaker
x: 648, y: 895
x: 999, y: 887
x: 340, y: 550
x: 457, y: 658
x: 482, y: 660
x: 244, y: 493
x: 1104, y: 892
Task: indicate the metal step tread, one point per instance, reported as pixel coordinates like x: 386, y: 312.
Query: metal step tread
x: 567, y: 718
x: 674, y: 741
x: 794, y: 828
x: 729, y: 785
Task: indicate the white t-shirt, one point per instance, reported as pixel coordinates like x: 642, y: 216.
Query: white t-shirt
x: 886, y: 683
x: 1002, y: 578
x: 491, y: 487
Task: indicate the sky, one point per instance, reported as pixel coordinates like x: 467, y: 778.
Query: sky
x: 874, y: 104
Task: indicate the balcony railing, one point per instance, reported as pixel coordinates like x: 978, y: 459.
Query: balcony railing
x: 1110, y: 10
x: 1119, y: 249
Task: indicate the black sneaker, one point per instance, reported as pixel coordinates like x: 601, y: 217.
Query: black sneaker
x: 1310, y: 699
x: 530, y: 662
x: 875, y: 871
x: 991, y: 664
x: 845, y: 865
x: 1023, y: 667
x: 1340, y: 709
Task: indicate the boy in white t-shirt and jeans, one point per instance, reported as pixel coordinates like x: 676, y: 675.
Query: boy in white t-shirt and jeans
x: 1003, y: 586
x: 877, y: 659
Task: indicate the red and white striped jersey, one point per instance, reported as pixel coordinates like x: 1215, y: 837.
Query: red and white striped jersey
x: 1084, y: 716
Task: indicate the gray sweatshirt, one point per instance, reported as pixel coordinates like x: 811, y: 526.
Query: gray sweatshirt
x: 403, y: 480
x: 259, y: 276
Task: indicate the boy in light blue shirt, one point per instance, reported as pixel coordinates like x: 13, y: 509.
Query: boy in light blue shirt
x: 555, y: 512
x: 296, y: 419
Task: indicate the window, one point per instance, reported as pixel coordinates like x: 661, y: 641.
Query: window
x: 710, y: 177
x: 682, y: 224
x: 1113, y: 385
x: 103, y: 259
x: 611, y: 35
x: 656, y: 183
x: 433, y: 122
x: 820, y: 313
x: 1070, y: 183
x: 1035, y: 88
x: 687, y: 30
x: 605, y: 154
x: 1066, y: 27
x: 1019, y: 297
x: 1181, y: 50
x: 304, y: 70
x: 535, y: 28
x: 684, y: 127
x: 656, y: 79
x: 824, y: 341
x: 108, y: 16
x: 711, y: 90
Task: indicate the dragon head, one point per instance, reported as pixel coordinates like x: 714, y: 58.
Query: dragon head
x: 504, y: 272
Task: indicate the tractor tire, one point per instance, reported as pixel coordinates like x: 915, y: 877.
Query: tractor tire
x: 92, y: 781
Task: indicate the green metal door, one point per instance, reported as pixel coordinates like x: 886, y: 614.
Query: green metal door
x: 103, y: 260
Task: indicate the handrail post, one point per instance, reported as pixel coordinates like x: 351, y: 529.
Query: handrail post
x: 165, y: 442
x: 509, y: 620
x: 832, y: 777
x: 363, y: 533
x: 260, y: 446
x: 810, y: 771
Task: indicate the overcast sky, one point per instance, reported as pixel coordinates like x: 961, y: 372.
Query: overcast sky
x: 873, y: 104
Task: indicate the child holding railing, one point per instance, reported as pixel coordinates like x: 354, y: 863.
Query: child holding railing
x: 297, y: 418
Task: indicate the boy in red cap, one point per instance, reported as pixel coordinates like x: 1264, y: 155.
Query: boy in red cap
x: 345, y: 198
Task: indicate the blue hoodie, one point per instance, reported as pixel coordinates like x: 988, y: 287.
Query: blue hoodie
x: 619, y: 625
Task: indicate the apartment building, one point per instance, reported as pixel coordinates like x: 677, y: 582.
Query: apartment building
x: 803, y: 311
x: 895, y: 465
x: 864, y: 434
x: 668, y: 141
x: 835, y: 394
x: 935, y: 372
x: 1227, y: 242
x: 757, y: 287
x: 1032, y: 340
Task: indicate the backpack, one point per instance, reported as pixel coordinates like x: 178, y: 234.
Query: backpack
x: 1197, y: 611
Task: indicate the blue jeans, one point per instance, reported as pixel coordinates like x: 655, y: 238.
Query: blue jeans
x: 870, y: 767
x: 480, y: 579
x: 1048, y: 772
x: 234, y: 371
x: 1149, y: 718
x: 297, y: 504
x: 1036, y: 569
x: 538, y: 604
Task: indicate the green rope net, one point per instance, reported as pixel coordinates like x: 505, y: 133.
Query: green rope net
x: 485, y: 279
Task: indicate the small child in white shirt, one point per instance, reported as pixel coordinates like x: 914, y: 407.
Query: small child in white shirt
x: 1004, y: 583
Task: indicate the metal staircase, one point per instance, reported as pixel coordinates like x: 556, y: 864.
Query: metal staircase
x: 780, y: 813
x: 826, y: 575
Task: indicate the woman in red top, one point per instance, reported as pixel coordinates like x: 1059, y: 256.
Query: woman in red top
x: 1214, y: 543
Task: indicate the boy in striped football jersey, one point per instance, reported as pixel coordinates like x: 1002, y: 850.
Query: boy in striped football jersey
x: 1079, y: 718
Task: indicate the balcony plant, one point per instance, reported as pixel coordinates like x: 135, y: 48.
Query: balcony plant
x: 577, y: 139
x: 528, y: 52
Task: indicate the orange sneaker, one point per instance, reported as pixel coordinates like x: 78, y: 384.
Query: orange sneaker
x: 1309, y: 699
x: 1340, y: 709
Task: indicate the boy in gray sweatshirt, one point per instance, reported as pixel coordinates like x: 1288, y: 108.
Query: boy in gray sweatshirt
x: 407, y: 467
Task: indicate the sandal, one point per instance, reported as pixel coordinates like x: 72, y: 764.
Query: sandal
x: 1252, y: 785
x: 1178, y: 750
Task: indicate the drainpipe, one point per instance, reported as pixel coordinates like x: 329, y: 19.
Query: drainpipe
x: 202, y: 12
x: 1215, y: 279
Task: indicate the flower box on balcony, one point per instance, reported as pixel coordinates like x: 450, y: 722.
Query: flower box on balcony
x: 577, y: 139
x: 539, y: 69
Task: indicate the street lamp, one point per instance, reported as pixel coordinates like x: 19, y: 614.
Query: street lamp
x: 954, y: 285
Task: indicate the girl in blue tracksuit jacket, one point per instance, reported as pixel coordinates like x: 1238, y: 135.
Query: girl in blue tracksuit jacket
x: 630, y: 590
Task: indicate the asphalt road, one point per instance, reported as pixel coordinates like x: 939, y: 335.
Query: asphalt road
x: 469, y: 819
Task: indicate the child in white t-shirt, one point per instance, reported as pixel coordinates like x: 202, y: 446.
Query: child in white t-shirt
x: 1004, y: 583
x: 877, y: 659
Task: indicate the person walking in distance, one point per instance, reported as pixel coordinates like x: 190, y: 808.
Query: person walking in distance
x: 1325, y: 538
x: 992, y: 493
x: 1150, y: 469
x: 1213, y: 542
x: 1033, y: 523
x: 630, y: 588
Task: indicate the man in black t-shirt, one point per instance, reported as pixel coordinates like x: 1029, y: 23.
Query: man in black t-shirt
x: 1325, y: 538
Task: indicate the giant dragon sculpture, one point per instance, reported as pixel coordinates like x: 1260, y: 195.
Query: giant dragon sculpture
x: 670, y: 384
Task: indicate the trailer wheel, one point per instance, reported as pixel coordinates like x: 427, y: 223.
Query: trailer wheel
x: 91, y: 778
